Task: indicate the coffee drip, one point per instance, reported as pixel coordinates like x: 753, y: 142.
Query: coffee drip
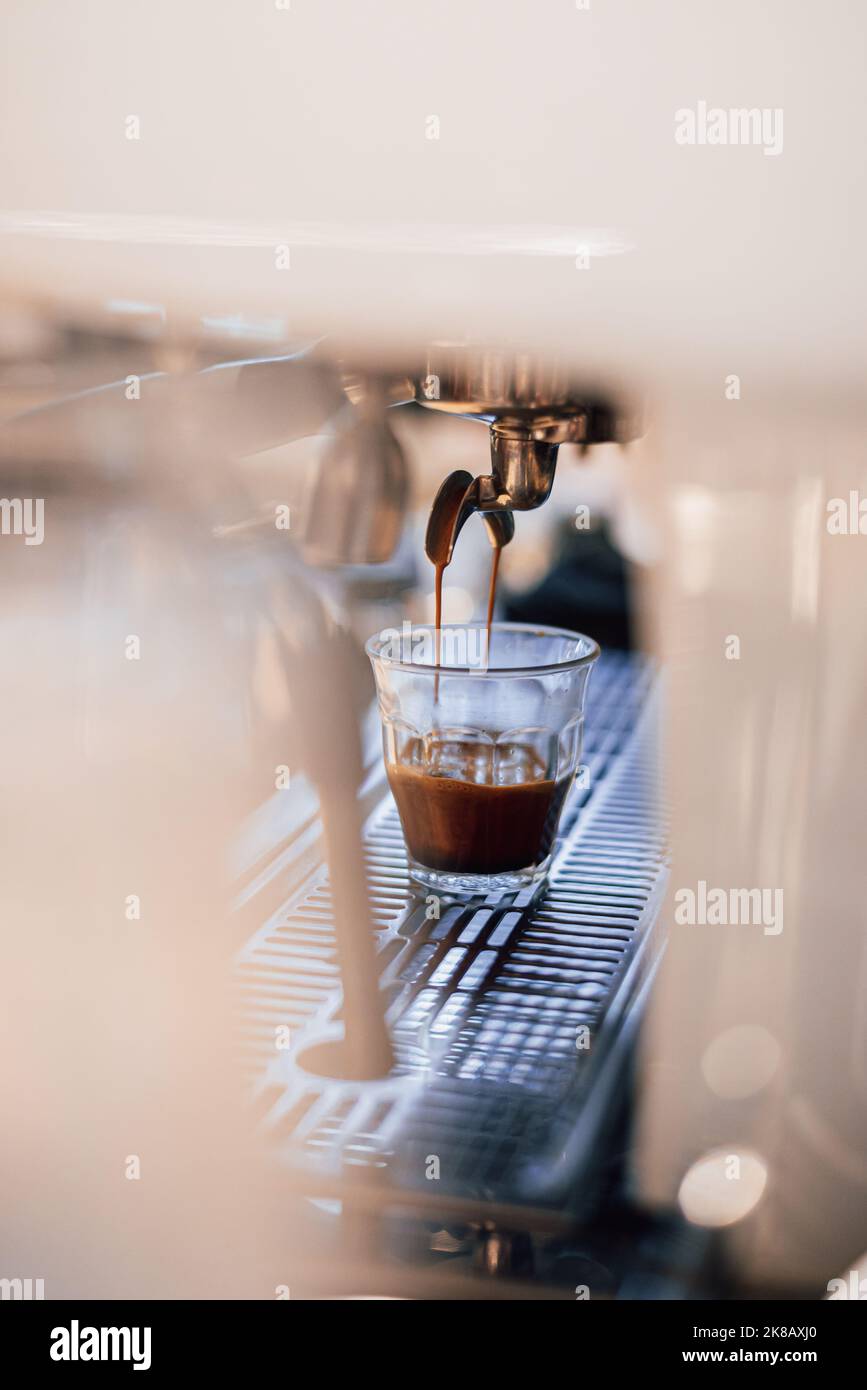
x: 492, y: 588
x: 453, y: 505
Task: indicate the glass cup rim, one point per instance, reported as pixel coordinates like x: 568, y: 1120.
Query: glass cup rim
x: 373, y: 644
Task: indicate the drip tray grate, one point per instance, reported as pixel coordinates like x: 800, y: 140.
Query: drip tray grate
x: 504, y: 1012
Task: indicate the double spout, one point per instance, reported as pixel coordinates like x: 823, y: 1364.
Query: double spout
x: 521, y: 477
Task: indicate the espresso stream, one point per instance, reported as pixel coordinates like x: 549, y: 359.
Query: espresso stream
x: 439, y: 571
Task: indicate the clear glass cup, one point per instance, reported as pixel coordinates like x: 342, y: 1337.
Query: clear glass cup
x: 481, y: 749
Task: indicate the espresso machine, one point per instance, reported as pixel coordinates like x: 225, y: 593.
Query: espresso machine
x: 262, y: 1061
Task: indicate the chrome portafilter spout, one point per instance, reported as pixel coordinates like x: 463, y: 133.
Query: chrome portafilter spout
x: 531, y: 407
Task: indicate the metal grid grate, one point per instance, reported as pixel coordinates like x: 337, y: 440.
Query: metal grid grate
x: 498, y: 1008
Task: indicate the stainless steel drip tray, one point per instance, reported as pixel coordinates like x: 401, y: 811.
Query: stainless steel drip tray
x: 511, y: 1016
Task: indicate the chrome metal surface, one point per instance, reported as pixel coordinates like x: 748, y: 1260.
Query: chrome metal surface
x: 358, y: 506
x: 521, y: 393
